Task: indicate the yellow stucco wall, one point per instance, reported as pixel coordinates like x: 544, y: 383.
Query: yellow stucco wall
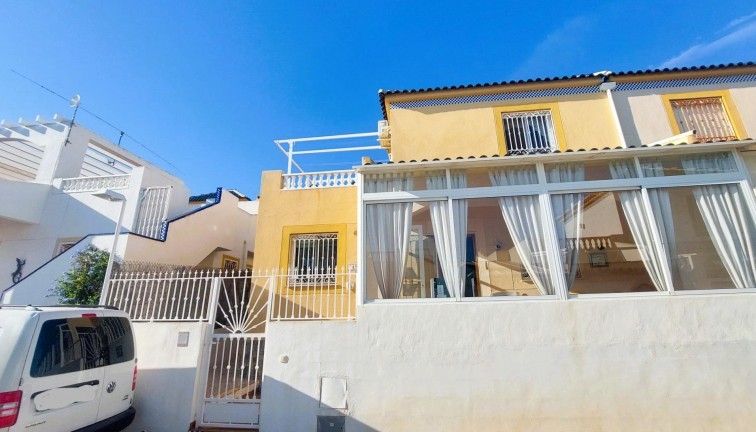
x: 471, y: 129
x: 309, y: 210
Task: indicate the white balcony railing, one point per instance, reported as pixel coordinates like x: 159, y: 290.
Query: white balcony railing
x: 315, y: 180
x: 91, y: 184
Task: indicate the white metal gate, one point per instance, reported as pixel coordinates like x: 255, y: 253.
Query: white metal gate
x: 231, y: 385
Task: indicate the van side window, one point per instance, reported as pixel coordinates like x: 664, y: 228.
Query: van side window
x: 76, y: 344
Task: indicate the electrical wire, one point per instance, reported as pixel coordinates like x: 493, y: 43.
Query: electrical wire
x: 101, y: 119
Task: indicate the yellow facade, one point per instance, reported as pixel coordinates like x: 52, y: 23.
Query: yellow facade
x: 450, y: 131
x: 286, y: 212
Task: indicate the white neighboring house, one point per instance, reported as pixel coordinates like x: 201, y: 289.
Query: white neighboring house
x: 50, y: 173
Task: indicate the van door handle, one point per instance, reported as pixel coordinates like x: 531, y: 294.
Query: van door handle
x: 81, y: 384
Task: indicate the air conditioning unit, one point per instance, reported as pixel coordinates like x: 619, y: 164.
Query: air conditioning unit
x: 384, y: 130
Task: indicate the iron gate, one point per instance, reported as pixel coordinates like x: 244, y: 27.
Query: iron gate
x: 231, y: 385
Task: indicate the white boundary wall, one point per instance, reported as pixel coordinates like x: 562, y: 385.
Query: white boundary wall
x: 164, y: 398
x: 641, y: 363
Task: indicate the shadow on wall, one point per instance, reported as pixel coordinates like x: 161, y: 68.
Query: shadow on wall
x: 72, y: 219
x: 301, y: 412
x: 163, y: 400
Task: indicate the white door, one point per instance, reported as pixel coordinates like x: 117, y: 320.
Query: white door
x: 118, y: 349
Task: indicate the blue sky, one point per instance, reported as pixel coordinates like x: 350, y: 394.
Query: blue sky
x: 209, y: 85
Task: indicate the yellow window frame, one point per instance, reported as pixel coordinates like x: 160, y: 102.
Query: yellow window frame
x: 225, y: 258
x: 555, y: 116
x: 729, y: 106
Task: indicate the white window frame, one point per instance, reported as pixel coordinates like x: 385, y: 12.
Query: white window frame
x: 327, y: 277
x: 522, y: 143
x: 544, y: 190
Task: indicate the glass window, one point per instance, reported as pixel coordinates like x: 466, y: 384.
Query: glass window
x: 402, y: 262
x: 710, y: 237
x: 389, y: 182
x: 528, y: 132
x: 76, y: 344
x: 475, y: 178
x: 704, y: 163
x: 513, y: 176
x: 706, y: 116
x: 313, y: 258
x: 590, y: 170
x: 606, y: 244
x: 505, y: 250
x: 230, y: 263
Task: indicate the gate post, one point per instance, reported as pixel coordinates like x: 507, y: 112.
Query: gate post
x: 272, y: 289
x: 207, y: 341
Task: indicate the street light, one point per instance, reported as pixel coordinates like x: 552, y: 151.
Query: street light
x: 111, y: 196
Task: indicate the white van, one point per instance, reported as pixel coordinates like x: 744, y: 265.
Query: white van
x: 66, y: 368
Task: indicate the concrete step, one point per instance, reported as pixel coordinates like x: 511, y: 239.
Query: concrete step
x: 194, y: 428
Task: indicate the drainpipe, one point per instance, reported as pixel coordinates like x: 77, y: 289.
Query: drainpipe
x: 607, y: 86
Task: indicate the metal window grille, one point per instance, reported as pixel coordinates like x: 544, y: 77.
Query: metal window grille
x: 529, y: 132
x: 313, y: 258
x: 707, y: 116
x: 230, y: 264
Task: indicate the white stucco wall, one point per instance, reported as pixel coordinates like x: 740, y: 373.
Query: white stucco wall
x: 32, y: 195
x: 64, y: 216
x: 631, y: 364
x: 35, y: 287
x: 644, y: 119
x: 648, y: 114
x: 745, y: 100
x: 223, y: 227
x: 164, y: 398
x: 36, y: 216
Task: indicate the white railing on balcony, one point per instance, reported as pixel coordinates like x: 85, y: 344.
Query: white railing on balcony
x: 91, y: 184
x: 315, y: 180
x: 303, y: 295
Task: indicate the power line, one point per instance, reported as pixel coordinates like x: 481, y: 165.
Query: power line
x: 101, y: 119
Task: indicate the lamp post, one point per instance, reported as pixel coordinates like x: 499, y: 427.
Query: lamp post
x: 111, y: 196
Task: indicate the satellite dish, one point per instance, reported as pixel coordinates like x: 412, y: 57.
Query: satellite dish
x: 75, y: 101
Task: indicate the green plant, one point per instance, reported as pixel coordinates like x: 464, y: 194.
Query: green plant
x: 82, y: 283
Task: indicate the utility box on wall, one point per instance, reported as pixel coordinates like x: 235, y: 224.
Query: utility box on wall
x: 331, y: 423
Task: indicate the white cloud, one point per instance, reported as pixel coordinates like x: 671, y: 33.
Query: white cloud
x: 738, y: 21
x: 559, y: 51
x: 738, y: 44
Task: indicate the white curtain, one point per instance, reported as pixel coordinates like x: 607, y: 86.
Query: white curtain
x: 655, y: 256
x: 450, y: 238
x: 388, y: 234
x: 568, y: 214
x: 727, y: 219
x: 523, y: 217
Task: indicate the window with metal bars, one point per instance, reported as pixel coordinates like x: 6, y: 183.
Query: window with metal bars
x: 707, y: 116
x: 313, y: 258
x: 230, y: 263
x: 529, y: 132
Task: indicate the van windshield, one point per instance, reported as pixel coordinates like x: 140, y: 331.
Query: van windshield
x: 76, y: 344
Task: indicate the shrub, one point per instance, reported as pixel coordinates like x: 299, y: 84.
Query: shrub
x: 82, y: 283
